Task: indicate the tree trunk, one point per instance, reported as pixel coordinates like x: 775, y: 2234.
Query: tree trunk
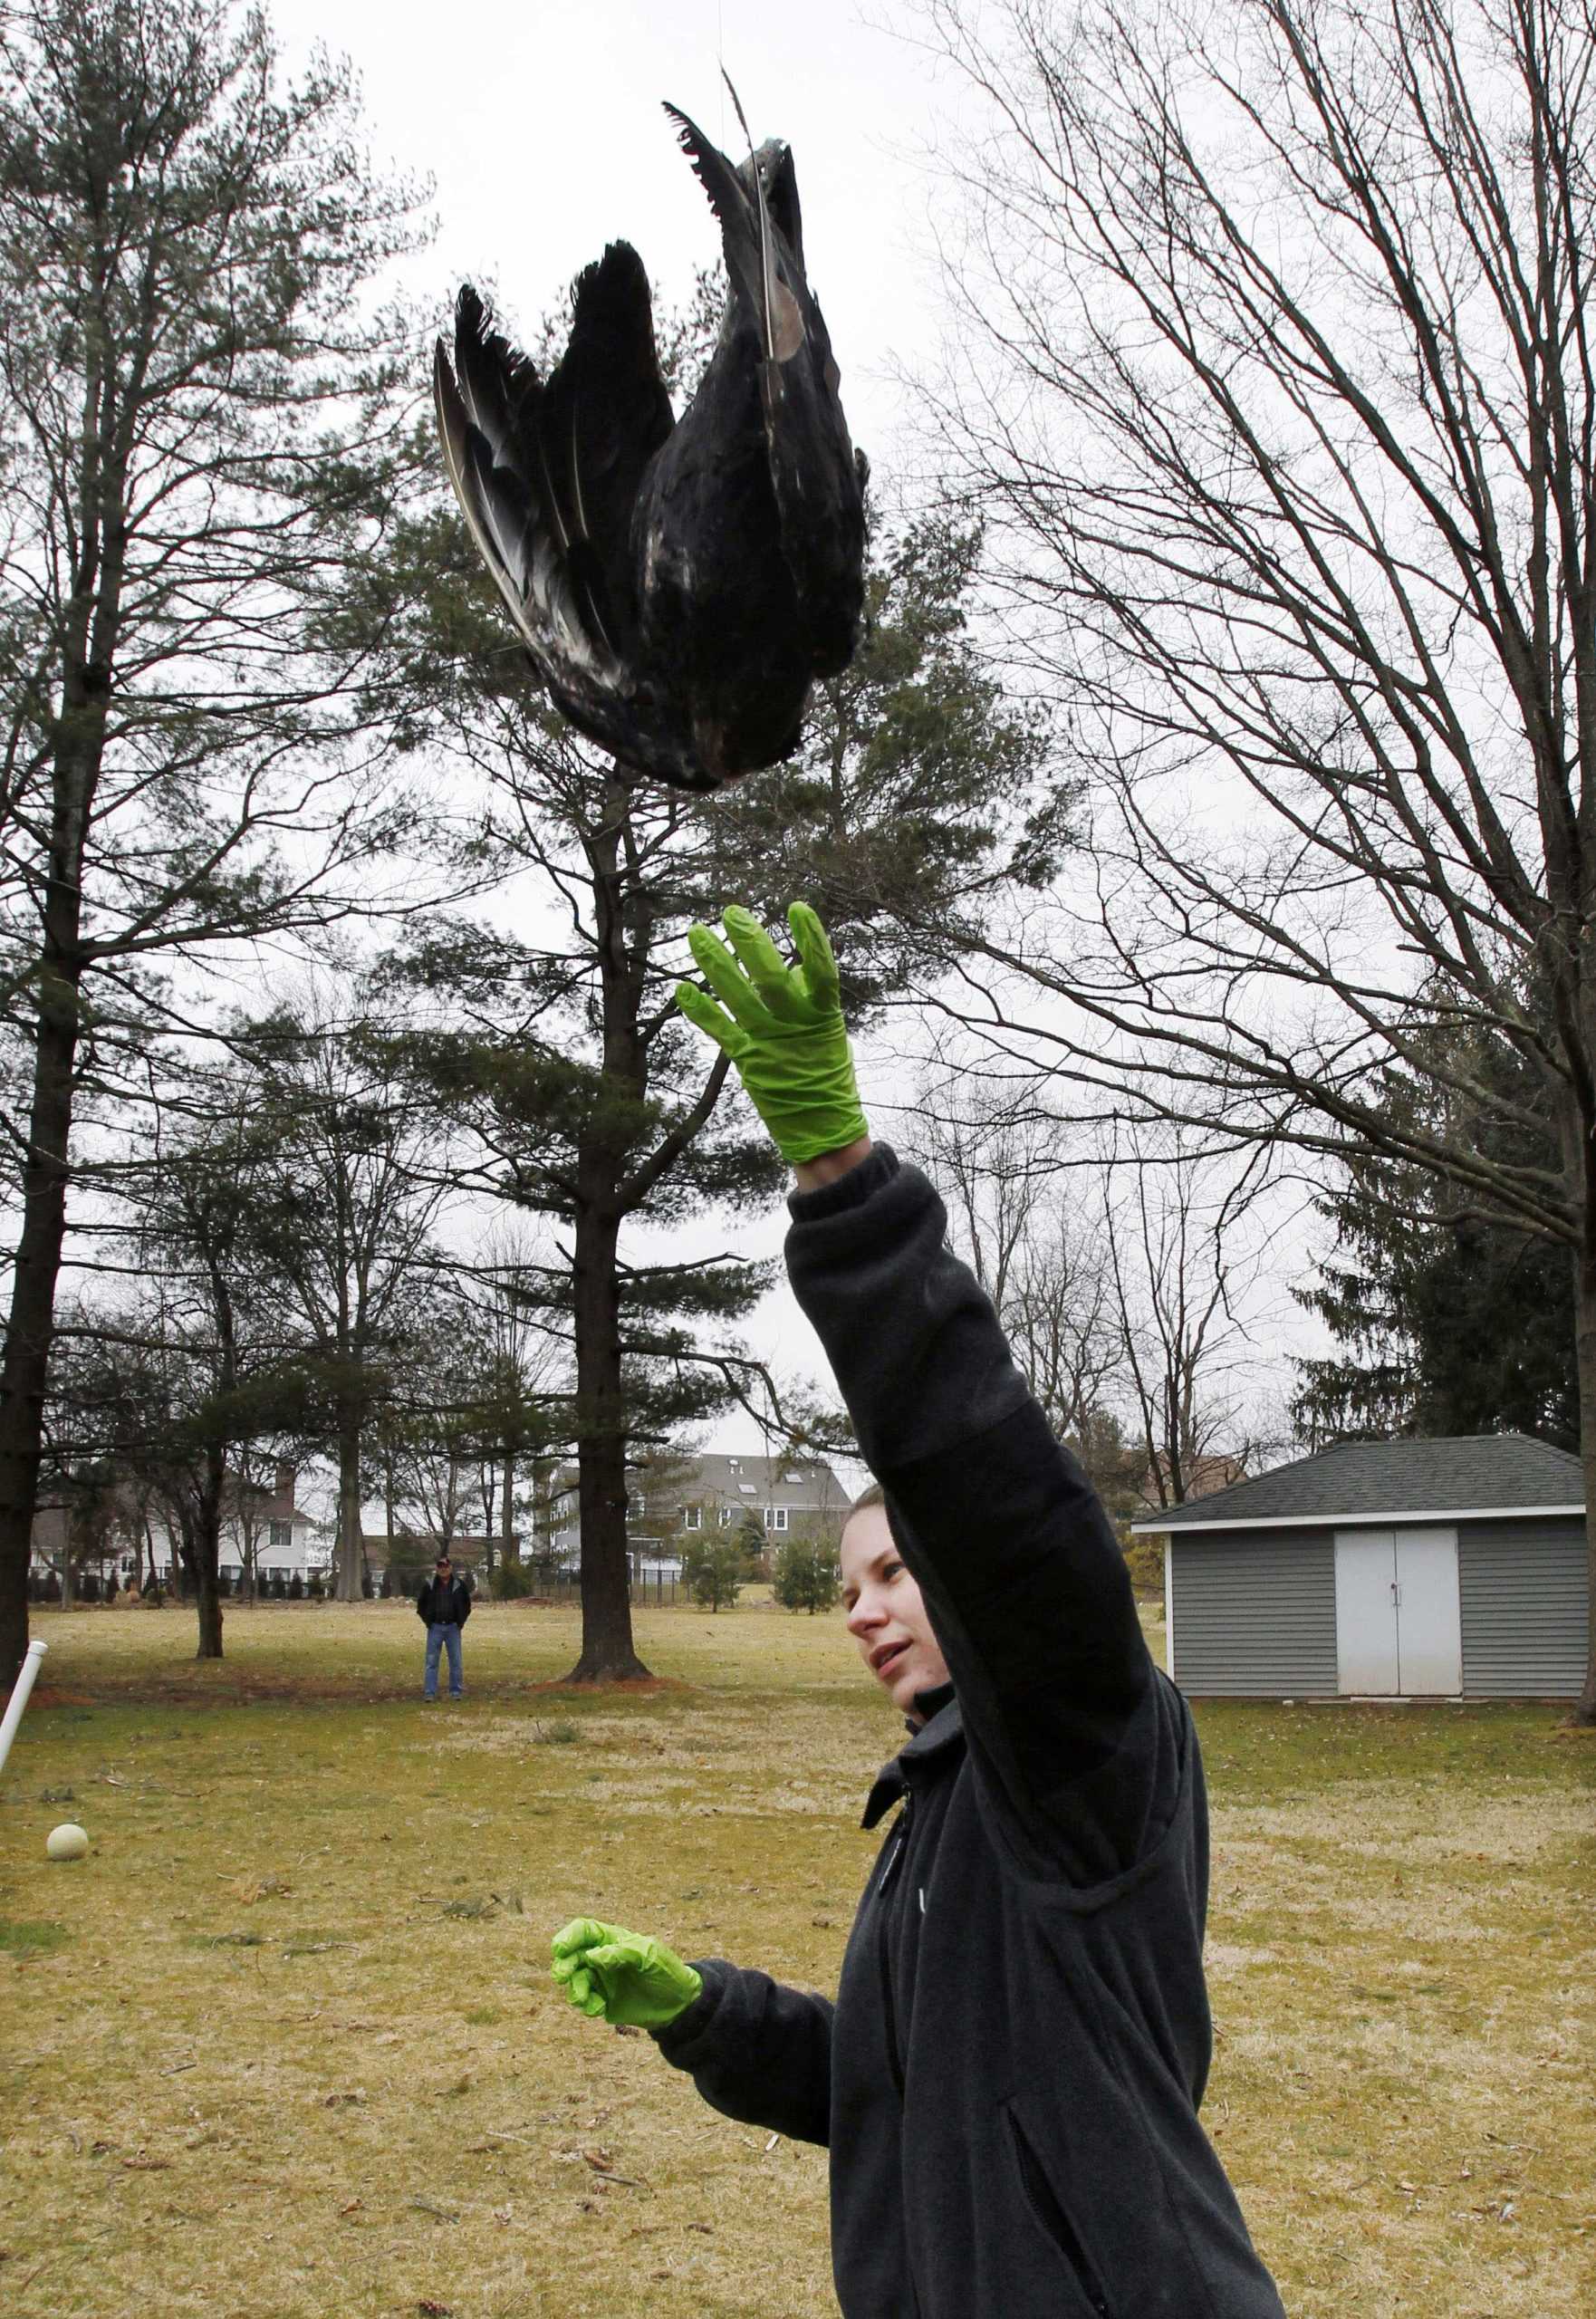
x: 607, y: 1653
x: 204, y: 1545
x: 1585, y: 1327
x: 506, y: 1525
x: 26, y: 1368
x: 350, y: 1549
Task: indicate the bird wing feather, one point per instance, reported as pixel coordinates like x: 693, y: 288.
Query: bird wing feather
x: 491, y: 420
x: 604, y: 415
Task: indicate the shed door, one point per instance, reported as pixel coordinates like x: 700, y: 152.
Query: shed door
x: 1429, y: 1626
x: 1399, y: 1631
x: 1366, y: 1613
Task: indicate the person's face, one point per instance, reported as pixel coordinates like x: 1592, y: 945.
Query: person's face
x: 445, y: 1569
x: 887, y: 1615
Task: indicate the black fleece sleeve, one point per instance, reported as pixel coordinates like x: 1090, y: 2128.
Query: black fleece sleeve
x: 756, y: 2050
x: 1074, y: 1735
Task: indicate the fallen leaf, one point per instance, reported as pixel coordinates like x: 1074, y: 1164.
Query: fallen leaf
x: 142, y: 2163
x: 250, y: 1889
x: 433, y: 2310
x: 353, y: 2207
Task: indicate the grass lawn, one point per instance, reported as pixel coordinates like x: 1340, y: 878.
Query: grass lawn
x: 285, y: 2043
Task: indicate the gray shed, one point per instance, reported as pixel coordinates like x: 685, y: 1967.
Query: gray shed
x: 1448, y: 1569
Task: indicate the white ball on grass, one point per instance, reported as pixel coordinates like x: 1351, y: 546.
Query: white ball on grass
x: 69, y: 1842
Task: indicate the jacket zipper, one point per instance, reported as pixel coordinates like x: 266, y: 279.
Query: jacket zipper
x: 1043, y: 2202
x: 884, y: 1955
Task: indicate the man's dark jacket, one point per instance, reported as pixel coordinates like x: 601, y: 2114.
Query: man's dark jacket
x: 1009, y: 2078
x: 444, y: 1604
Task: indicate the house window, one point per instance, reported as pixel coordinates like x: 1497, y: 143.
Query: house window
x: 639, y: 1507
x: 693, y: 1517
x: 280, y: 1534
x: 775, y: 1517
x: 725, y: 1517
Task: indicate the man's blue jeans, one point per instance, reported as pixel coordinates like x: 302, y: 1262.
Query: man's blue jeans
x: 443, y: 1635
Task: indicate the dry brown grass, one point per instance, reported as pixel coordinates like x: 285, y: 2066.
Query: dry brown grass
x: 294, y: 2050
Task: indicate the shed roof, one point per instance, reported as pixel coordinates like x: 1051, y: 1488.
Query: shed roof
x: 1355, y: 1482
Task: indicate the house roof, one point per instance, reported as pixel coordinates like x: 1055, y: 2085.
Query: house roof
x: 745, y: 1477
x: 1458, y: 1476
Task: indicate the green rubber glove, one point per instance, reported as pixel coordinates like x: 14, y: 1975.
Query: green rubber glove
x: 783, y: 1027
x: 633, y: 1981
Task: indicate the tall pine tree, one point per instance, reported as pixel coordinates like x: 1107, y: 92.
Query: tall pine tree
x: 558, y: 1046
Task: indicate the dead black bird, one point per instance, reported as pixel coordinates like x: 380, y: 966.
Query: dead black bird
x: 679, y: 584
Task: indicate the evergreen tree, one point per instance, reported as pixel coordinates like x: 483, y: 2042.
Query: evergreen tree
x: 341, y: 1221
x: 167, y: 1391
x: 807, y: 1576
x: 562, y: 1058
x: 560, y: 1052
x: 1452, y: 1319
x: 712, y: 1570
x: 753, y: 1543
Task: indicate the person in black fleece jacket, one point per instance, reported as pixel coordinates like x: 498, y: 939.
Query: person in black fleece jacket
x: 1009, y: 2078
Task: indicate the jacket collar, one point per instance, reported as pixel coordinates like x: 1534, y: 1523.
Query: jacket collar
x: 936, y: 1738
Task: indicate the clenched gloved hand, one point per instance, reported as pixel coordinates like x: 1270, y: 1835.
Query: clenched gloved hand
x: 632, y: 1980
x: 783, y: 1027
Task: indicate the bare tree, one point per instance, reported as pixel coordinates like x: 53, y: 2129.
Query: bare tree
x: 199, y: 442
x: 1180, y: 1286
x: 1020, y: 1186
x: 1279, y: 398
x: 1125, y: 1284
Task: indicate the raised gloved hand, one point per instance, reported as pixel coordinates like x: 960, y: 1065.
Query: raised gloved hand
x: 631, y: 1979
x: 783, y: 1027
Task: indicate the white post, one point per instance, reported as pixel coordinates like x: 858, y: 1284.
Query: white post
x: 19, y: 1697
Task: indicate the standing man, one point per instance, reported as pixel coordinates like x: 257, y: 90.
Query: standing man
x: 443, y: 1606
x: 1009, y: 2081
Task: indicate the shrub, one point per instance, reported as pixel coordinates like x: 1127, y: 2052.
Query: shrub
x: 296, y: 1588
x: 314, y: 1588
x: 807, y: 1576
x: 752, y: 1544
x: 1144, y: 1558
x: 511, y: 1582
x: 712, y: 1569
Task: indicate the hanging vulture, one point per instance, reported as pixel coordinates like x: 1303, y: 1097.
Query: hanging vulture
x: 678, y: 583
